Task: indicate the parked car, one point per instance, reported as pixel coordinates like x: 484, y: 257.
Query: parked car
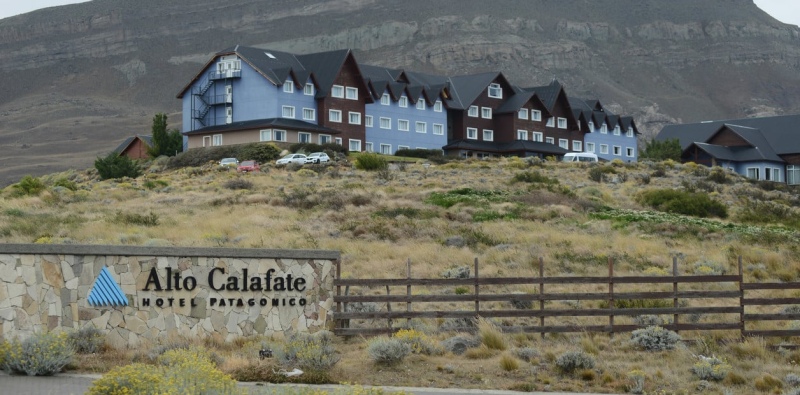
x: 318, y: 157
x: 292, y: 158
x: 248, y: 165
x: 580, y: 157
x: 229, y: 162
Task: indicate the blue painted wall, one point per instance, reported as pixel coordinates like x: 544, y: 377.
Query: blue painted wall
x: 410, y: 138
x: 741, y: 168
x: 611, y: 140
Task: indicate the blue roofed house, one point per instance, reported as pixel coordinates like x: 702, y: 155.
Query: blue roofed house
x: 766, y: 148
x: 407, y: 112
x: 246, y: 94
x: 608, y: 136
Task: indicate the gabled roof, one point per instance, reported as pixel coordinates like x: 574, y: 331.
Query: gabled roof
x: 517, y: 100
x: 512, y: 146
x: 325, y: 66
x: 127, y: 143
x: 286, y: 123
x: 781, y: 132
x: 464, y: 89
x: 548, y: 93
x: 736, y: 154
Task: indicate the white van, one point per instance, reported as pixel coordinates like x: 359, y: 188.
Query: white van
x: 580, y: 157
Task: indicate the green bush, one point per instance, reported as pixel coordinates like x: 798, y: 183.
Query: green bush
x: 388, y: 351
x: 308, y: 352
x: 596, y: 173
x: 571, y: 361
x: 533, y: 177
x: 468, y: 196
x: 116, y: 166
x: 259, y: 152
x: 662, y: 150
x: 419, y: 153
x: 42, y: 354
x: 65, y: 183
x: 655, y: 338
x: 306, y: 148
x: 136, y: 219
x: 371, y: 161
x: 29, y: 186
x: 238, y: 183
x: 87, y: 340
x: 680, y: 202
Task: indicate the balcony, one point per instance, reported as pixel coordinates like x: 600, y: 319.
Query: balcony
x: 224, y: 74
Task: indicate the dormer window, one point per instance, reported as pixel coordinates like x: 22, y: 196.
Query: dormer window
x: 385, y: 99
x: 351, y: 93
x: 603, y: 129
x: 288, y: 86
x: 523, y: 113
x: 337, y: 91
x: 437, y: 106
x: 591, y: 127
x: 308, y: 90
x: 562, y: 123
x: 616, y: 130
x: 495, y: 91
x: 403, y: 102
x: 420, y: 104
x: 630, y: 132
x: 473, y: 111
x: 551, y: 122
x: 536, y: 115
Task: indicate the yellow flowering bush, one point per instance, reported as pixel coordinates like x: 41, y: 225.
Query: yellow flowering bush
x: 42, y: 354
x: 137, y: 378
x: 419, y: 342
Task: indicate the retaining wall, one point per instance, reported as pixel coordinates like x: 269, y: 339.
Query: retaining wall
x: 218, y: 292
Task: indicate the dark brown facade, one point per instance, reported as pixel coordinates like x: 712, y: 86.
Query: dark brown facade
x: 349, y: 76
x: 728, y: 138
x: 572, y: 132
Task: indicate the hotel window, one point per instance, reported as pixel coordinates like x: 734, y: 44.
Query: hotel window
x: 776, y: 174
x: 604, y: 148
x: 549, y: 140
x: 629, y: 133
x: 421, y: 127
x: 437, y: 106
x: 368, y: 147
x: 473, y: 111
x: 334, y: 115
x: 472, y: 133
x: 324, y: 139
x: 438, y: 129
x: 368, y: 121
x: 563, y: 143
x: 399, y: 147
x: 288, y: 86
x: 385, y: 99
x: 754, y: 173
x: 386, y: 149
x: 337, y: 91
x: 522, y: 135
x: 616, y: 130
x: 488, y: 135
x: 538, y: 136
x: 355, y: 145
x: 421, y: 104
x: 403, y: 102
x: 551, y: 122
x: 495, y: 91
x: 536, y: 115
x: 629, y: 152
x: 287, y: 112
x: 591, y: 127
x: 354, y: 118
x: 386, y: 123
x: 589, y: 147
x: 216, y: 140
x: 617, y: 150
x: 351, y: 93
x: 523, y: 113
x: 402, y: 125
x: 309, y: 114
x: 793, y: 174
x: 603, y: 129
x: 486, y: 112
x: 308, y: 90
x: 337, y: 140
x: 266, y: 135
x: 303, y: 137
x: 562, y: 123
x: 577, y: 146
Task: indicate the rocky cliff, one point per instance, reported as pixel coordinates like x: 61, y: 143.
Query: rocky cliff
x: 77, y: 79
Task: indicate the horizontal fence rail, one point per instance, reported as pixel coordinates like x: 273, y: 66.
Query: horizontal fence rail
x: 730, y: 309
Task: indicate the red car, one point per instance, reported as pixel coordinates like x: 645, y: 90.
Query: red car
x: 248, y: 165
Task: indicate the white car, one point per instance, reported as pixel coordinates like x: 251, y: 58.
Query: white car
x: 318, y: 157
x: 292, y: 158
x: 230, y: 162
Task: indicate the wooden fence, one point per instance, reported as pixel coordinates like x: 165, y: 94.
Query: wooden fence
x: 722, y: 298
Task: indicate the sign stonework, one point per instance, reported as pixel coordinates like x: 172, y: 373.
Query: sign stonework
x: 163, y: 291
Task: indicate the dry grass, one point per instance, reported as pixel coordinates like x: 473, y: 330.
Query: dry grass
x: 378, y: 225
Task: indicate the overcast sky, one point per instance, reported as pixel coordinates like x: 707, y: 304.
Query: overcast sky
x: 787, y: 11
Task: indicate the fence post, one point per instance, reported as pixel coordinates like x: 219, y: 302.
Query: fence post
x: 477, y: 290
x: 611, y: 294
x: 338, y: 323
x: 408, y: 291
x: 675, y: 291
x: 741, y: 299
x: 541, y: 294
x: 389, y: 310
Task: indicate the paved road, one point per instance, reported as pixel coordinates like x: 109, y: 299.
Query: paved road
x: 76, y: 384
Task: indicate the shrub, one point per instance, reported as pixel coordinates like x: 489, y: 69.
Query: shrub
x: 137, y: 219
x: 718, y: 175
x: 42, y: 354
x: 65, y: 183
x: 116, y: 166
x: 597, y: 173
x: 669, y: 149
x: 571, y: 361
x: 266, y: 371
x: 509, y: 363
x: 792, y: 380
x: 419, y: 342
x: 491, y: 336
x: 259, y: 152
x: 533, y: 177
x: 29, y: 186
x: 526, y: 354
x: 711, y: 368
x: 638, y: 377
x: 655, y: 338
x: 87, y: 340
x: 136, y: 378
x: 457, y: 272
x: 680, y: 202
x: 768, y: 383
x: 648, y: 320
x: 309, y: 352
x: 419, y: 153
x: 709, y: 269
x: 371, y: 161
x: 388, y: 351
x: 459, y: 344
x: 238, y: 183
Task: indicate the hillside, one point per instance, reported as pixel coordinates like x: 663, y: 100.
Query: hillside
x: 506, y: 213
x: 78, y: 79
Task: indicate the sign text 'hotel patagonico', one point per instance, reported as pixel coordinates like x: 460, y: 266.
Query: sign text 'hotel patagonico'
x: 219, y: 280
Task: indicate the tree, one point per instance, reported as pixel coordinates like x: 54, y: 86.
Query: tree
x: 116, y: 166
x: 662, y: 150
x: 165, y: 141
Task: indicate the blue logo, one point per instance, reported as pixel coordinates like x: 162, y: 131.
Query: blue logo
x: 106, y: 291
